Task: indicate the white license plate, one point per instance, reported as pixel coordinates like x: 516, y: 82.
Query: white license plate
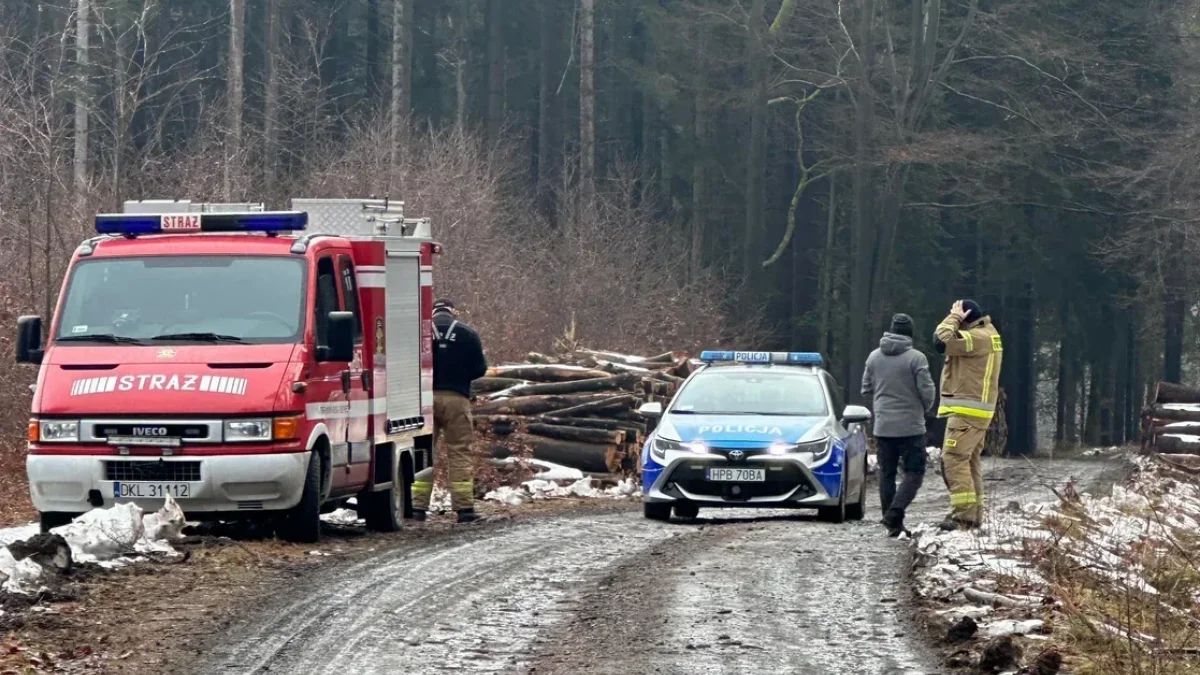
x: 132, y: 490
x: 737, y: 475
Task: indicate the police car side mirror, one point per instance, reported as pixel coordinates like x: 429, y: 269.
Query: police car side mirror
x: 340, y: 335
x: 29, y: 340
x: 652, y: 409
x: 855, y: 414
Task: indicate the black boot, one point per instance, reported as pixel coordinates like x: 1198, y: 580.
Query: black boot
x: 419, y: 515
x: 893, y: 520
x: 468, y: 516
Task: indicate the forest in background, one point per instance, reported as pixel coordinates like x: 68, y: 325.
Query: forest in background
x: 656, y: 174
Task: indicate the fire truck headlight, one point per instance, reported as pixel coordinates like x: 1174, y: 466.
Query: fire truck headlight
x: 59, y: 431
x: 237, y: 431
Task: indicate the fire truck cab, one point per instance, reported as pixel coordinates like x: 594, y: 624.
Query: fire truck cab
x: 248, y: 363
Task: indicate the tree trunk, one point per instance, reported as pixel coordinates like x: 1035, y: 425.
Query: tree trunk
x: 1175, y: 413
x: 495, y: 82
x: 699, y: 215
x: 271, y: 98
x: 580, y: 434
x: 756, y: 152
x: 1169, y: 392
x: 863, y: 235
x: 1120, y: 385
x: 825, y: 292
x: 545, y: 373
x: 462, y: 50
x: 587, y: 104
x: 374, y: 64
x: 1023, y: 392
x: 562, y: 406
x: 1174, y: 311
x: 237, y: 56
x: 1182, y: 445
x: 591, y: 457
x: 626, y: 381
x: 487, y: 385
x: 82, y: 96
x: 1092, y: 426
x: 549, y: 157
x: 402, y: 25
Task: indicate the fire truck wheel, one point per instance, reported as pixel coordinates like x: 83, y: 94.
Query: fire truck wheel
x: 384, y: 510
x: 51, y: 520
x: 302, y: 524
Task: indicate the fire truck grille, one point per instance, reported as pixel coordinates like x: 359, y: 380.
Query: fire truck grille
x: 143, y: 471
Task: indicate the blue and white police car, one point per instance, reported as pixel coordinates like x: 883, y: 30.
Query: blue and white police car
x: 756, y: 429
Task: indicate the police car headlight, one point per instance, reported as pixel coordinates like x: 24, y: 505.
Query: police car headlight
x: 247, y: 430
x: 662, y: 446
x: 58, y: 431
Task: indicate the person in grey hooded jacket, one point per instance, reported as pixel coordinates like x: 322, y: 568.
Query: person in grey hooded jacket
x: 897, y: 382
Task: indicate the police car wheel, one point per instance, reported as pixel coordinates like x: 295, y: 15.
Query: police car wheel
x: 656, y: 511
x: 858, y: 510
x: 687, y: 510
x: 835, y: 514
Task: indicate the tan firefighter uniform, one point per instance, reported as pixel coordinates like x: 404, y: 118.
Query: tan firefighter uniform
x: 458, y: 360
x: 970, y: 386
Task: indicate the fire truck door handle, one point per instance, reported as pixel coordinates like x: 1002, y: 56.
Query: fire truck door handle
x: 366, y: 380
x: 346, y: 381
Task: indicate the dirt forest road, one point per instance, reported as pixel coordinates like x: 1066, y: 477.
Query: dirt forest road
x: 735, y: 592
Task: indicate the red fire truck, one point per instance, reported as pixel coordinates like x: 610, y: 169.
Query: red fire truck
x: 225, y: 356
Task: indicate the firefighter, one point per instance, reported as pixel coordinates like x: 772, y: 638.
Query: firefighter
x: 970, y: 384
x: 458, y: 361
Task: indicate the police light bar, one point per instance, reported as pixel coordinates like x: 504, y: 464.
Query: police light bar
x: 270, y: 222
x: 789, y: 358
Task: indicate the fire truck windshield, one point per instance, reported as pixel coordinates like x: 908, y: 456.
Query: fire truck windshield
x: 184, y: 299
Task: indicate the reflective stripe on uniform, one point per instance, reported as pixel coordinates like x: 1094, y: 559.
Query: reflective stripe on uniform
x: 987, y: 375
x: 464, y: 488
x: 966, y: 411
x: 970, y: 342
x: 963, y: 499
x: 421, y: 487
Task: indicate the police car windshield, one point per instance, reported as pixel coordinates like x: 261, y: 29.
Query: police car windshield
x: 751, y: 392
x: 184, y: 299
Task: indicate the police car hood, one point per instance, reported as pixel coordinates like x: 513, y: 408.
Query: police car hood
x: 741, y: 431
x: 172, y: 379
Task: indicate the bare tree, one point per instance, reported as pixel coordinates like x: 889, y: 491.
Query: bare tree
x: 402, y: 13
x: 83, y: 92
x: 271, y: 101
x: 237, y: 39
x: 587, y: 101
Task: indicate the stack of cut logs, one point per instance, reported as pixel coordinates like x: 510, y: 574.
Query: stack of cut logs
x: 1171, y: 424
x: 578, y: 410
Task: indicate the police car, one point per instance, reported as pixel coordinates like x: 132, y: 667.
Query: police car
x: 756, y: 429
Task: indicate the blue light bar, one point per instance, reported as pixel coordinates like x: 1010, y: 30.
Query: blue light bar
x: 789, y: 358
x: 270, y: 222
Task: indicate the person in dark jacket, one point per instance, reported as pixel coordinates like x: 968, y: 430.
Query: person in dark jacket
x: 897, y: 382
x: 458, y: 361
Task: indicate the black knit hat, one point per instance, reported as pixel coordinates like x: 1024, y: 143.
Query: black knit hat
x: 902, y: 324
x: 973, y: 310
x: 442, y: 303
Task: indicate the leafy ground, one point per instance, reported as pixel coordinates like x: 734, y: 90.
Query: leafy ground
x: 1099, y: 583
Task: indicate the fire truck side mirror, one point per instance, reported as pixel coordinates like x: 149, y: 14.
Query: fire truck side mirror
x: 341, y: 339
x: 29, y: 340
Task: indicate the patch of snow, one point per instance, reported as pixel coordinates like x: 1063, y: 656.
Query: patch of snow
x: 20, y: 533
x: 439, y: 500
x: 341, y: 517
x: 19, y: 576
x: 541, y: 488
x: 1010, y: 627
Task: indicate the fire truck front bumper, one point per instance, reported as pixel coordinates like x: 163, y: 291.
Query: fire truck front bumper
x: 205, y: 486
